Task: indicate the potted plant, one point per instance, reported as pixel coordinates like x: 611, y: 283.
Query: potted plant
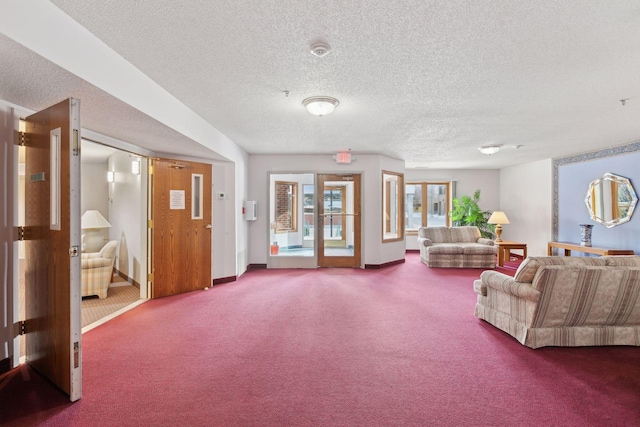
x: 467, y: 212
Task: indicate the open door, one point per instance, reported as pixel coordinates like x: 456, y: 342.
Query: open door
x: 180, y: 226
x: 339, y: 220
x: 52, y: 244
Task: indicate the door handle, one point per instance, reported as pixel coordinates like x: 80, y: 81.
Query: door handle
x: 208, y: 226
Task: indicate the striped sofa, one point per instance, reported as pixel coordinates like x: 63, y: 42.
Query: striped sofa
x: 565, y: 301
x: 456, y: 247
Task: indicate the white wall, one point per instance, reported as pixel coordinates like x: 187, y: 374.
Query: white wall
x: 467, y: 181
x: 94, y: 193
x: 228, y: 249
x: 240, y: 175
x: 526, y: 199
x: 370, y: 166
x: 127, y: 205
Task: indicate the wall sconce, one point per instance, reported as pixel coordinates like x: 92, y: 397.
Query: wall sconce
x: 135, y: 166
x: 111, y: 176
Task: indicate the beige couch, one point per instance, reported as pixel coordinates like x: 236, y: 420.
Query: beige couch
x: 97, y: 270
x: 565, y: 301
x: 456, y: 247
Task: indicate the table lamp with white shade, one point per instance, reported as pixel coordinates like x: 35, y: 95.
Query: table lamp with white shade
x: 498, y: 218
x: 92, y: 222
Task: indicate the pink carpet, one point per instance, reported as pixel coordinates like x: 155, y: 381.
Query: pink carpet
x: 330, y: 347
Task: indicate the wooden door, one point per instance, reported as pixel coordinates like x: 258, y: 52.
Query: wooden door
x: 52, y: 241
x: 180, y: 226
x: 339, y: 220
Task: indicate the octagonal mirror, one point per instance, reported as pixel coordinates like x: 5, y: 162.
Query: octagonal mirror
x: 611, y: 200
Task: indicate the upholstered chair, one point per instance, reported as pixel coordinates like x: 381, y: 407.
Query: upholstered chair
x: 97, y: 270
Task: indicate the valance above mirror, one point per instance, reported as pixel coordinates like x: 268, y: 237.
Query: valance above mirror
x: 611, y: 200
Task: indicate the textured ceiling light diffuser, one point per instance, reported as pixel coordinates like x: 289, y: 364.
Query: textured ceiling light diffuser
x: 489, y: 149
x: 320, y: 105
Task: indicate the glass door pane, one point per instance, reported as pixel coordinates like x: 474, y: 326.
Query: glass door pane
x: 335, y: 222
x: 292, y: 223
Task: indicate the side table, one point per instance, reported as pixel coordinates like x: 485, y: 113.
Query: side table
x: 504, y: 250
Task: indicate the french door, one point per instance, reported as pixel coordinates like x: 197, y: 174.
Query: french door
x: 339, y: 221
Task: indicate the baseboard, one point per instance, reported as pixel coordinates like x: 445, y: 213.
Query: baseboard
x: 256, y: 266
x: 386, y: 264
x: 5, y: 365
x: 127, y: 278
x: 224, y: 280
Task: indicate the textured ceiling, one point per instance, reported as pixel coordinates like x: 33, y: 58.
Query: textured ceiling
x: 424, y: 81
x: 33, y: 82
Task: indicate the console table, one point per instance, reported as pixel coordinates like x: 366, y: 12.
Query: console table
x: 504, y: 250
x: 568, y: 247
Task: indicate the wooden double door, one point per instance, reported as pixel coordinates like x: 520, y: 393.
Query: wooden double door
x: 179, y: 231
x: 52, y: 324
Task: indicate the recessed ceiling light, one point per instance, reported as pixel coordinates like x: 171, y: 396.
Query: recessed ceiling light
x: 320, y: 105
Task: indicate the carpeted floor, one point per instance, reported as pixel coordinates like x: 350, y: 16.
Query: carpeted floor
x: 118, y: 297
x: 397, y: 346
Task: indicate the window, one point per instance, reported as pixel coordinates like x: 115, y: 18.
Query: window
x: 427, y: 205
x: 197, y: 192
x: 286, y: 197
x: 392, y: 206
x: 308, y: 215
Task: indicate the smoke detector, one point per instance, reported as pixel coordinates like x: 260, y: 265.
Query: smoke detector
x: 320, y: 49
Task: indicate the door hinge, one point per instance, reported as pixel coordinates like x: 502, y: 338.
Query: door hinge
x: 150, y: 169
x: 76, y: 143
x: 21, y: 327
x: 150, y: 223
x: 150, y: 277
x: 22, y: 233
x: 19, y: 233
x: 21, y: 139
x: 74, y: 251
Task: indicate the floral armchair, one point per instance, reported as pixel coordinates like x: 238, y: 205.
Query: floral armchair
x: 97, y: 270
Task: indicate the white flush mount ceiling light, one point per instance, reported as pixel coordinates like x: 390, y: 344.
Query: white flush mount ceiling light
x: 490, y: 149
x: 320, y: 105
